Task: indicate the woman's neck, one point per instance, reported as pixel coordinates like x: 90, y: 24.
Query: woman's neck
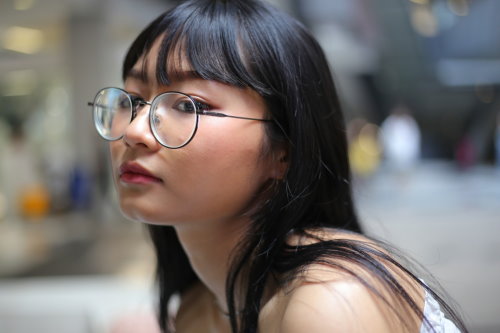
x: 209, y: 247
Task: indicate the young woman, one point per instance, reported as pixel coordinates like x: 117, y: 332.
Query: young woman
x: 228, y: 140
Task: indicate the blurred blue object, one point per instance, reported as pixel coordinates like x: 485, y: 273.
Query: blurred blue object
x: 80, y: 189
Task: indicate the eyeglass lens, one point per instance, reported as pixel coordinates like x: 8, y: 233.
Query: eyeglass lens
x: 173, y: 118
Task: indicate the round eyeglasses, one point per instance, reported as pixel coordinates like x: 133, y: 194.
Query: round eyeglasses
x: 173, y: 116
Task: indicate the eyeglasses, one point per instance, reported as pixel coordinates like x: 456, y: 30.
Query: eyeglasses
x: 173, y: 116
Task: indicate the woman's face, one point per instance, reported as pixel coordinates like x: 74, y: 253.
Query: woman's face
x: 215, y: 177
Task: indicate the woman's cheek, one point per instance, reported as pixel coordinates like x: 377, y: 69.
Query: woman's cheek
x: 114, y: 151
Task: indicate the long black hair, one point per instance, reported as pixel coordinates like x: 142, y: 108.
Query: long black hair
x: 247, y: 43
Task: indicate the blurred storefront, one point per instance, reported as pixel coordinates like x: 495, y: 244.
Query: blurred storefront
x: 54, y: 56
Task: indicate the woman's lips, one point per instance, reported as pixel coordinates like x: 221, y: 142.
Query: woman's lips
x: 134, y: 173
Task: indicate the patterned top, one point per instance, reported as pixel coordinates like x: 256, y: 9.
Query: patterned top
x: 436, y: 321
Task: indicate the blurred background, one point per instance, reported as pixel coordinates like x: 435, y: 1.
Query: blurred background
x: 420, y: 85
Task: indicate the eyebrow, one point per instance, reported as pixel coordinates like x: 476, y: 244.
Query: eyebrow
x: 184, y: 75
x: 175, y: 75
x: 137, y: 74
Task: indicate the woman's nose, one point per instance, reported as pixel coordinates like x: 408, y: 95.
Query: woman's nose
x: 138, y: 131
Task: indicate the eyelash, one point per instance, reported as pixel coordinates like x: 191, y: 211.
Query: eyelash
x: 199, y: 104
x: 202, y: 106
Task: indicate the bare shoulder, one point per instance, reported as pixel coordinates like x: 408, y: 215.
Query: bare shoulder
x: 336, y: 306
x: 325, y: 298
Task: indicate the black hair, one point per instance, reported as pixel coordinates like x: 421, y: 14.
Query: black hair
x: 250, y: 44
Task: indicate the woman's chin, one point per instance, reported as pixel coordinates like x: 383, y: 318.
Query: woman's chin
x: 145, y: 217
x: 138, y: 215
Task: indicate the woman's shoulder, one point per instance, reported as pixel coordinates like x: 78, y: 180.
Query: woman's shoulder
x: 341, y: 297
x: 313, y: 235
x: 335, y: 306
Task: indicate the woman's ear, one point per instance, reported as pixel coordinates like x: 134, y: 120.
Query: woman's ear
x: 279, y: 163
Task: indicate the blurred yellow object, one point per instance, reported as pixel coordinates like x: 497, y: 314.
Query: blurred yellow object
x: 35, y: 202
x: 23, y: 40
x: 23, y: 4
x: 364, y: 151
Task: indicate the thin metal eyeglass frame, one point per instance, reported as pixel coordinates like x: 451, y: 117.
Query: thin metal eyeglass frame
x: 199, y: 111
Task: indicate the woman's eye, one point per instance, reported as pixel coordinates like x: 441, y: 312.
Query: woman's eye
x: 185, y: 106
x: 136, y: 101
x: 123, y: 102
x: 202, y: 106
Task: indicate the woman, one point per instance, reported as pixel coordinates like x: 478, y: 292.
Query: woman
x: 228, y: 141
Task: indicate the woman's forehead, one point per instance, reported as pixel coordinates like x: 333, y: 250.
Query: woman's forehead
x: 177, y: 64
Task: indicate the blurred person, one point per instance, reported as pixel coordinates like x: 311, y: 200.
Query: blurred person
x: 25, y: 193
x: 228, y: 141
x: 465, y: 154
x: 57, y: 163
x: 400, y: 140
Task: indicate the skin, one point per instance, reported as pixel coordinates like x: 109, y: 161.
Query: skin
x: 324, y: 299
x: 205, y: 189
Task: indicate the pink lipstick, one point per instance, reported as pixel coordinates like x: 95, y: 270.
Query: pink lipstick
x: 134, y: 173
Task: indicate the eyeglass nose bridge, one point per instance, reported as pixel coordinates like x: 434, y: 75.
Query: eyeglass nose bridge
x: 135, y: 108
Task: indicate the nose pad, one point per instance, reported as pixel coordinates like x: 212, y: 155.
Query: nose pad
x: 138, y: 131
x: 136, y: 109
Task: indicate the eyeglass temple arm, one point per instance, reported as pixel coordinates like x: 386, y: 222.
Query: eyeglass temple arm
x: 203, y: 112
x: 97, y: 105
x: 102, y: 105
x: 222, y: 115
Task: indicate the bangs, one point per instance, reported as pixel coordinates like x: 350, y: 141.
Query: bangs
x: 209, y: 38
